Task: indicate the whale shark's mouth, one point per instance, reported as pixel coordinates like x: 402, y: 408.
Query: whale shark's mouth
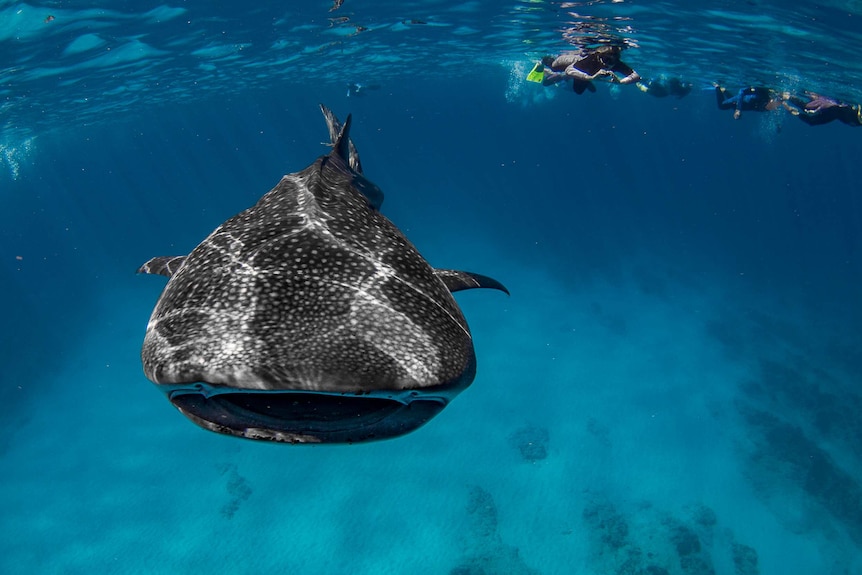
x: 307, y: 417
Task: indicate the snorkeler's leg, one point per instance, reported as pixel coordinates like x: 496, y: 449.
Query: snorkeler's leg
x: 551, y: 78
x: 721, y: 97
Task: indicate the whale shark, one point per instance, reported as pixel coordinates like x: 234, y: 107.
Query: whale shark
x: 310, y: 317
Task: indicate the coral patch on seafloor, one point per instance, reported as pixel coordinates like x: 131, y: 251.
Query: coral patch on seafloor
x: 531, y: 441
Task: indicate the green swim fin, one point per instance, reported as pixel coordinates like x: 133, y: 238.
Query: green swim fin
x: 536, y: 74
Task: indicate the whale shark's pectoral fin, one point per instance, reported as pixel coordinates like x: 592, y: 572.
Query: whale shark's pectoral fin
x: 457, y: 280
x: 342, y: 146
x: 162, y: 265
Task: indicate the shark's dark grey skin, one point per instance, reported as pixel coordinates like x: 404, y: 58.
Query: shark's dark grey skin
x: 309, y: 317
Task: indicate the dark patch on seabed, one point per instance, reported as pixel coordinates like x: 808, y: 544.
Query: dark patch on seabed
x: 645, y: 540
x: 793, y: 386
x: 785, y: 459
x: 531, y: 441
x: 624, y: 539
x: 600, y: 432
x: 803, y: 436
x: 237, y: 489
x: 485, y: 552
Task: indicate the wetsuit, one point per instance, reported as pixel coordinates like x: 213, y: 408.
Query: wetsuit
x: 755, y: 99
x: 589, y: 63
x: 662, y: 88
x: 821, y: 110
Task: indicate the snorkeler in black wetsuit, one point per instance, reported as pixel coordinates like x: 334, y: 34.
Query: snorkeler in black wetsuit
x: 820, y: 110
x: 584, y: 66
x: 355, y: 90
x: 753, y: 99
x: 662, y: 87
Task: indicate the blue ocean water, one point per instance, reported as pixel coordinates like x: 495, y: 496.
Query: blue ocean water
x: 672, y: 386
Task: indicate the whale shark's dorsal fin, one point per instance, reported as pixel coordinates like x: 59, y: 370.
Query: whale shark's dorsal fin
x: 339, y: 139
x: 162, y: 265
x: 343, y: 148
x: 456, y: 280
x: 342, y: 145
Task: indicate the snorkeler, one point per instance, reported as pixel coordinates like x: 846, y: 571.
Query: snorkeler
x: 663, y: 87
x: 355, y: 90
x: 820, y: 110
x: 751, y: 99
x: 584, y: 66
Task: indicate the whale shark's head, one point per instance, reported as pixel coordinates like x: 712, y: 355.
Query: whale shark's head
x: 309, y: 317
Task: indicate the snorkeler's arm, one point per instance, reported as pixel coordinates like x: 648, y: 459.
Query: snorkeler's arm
x: 818, y: 104
x: 790, y: 106
x: 630, y: 76
x: 577, y: 74
x: 793, y: 104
